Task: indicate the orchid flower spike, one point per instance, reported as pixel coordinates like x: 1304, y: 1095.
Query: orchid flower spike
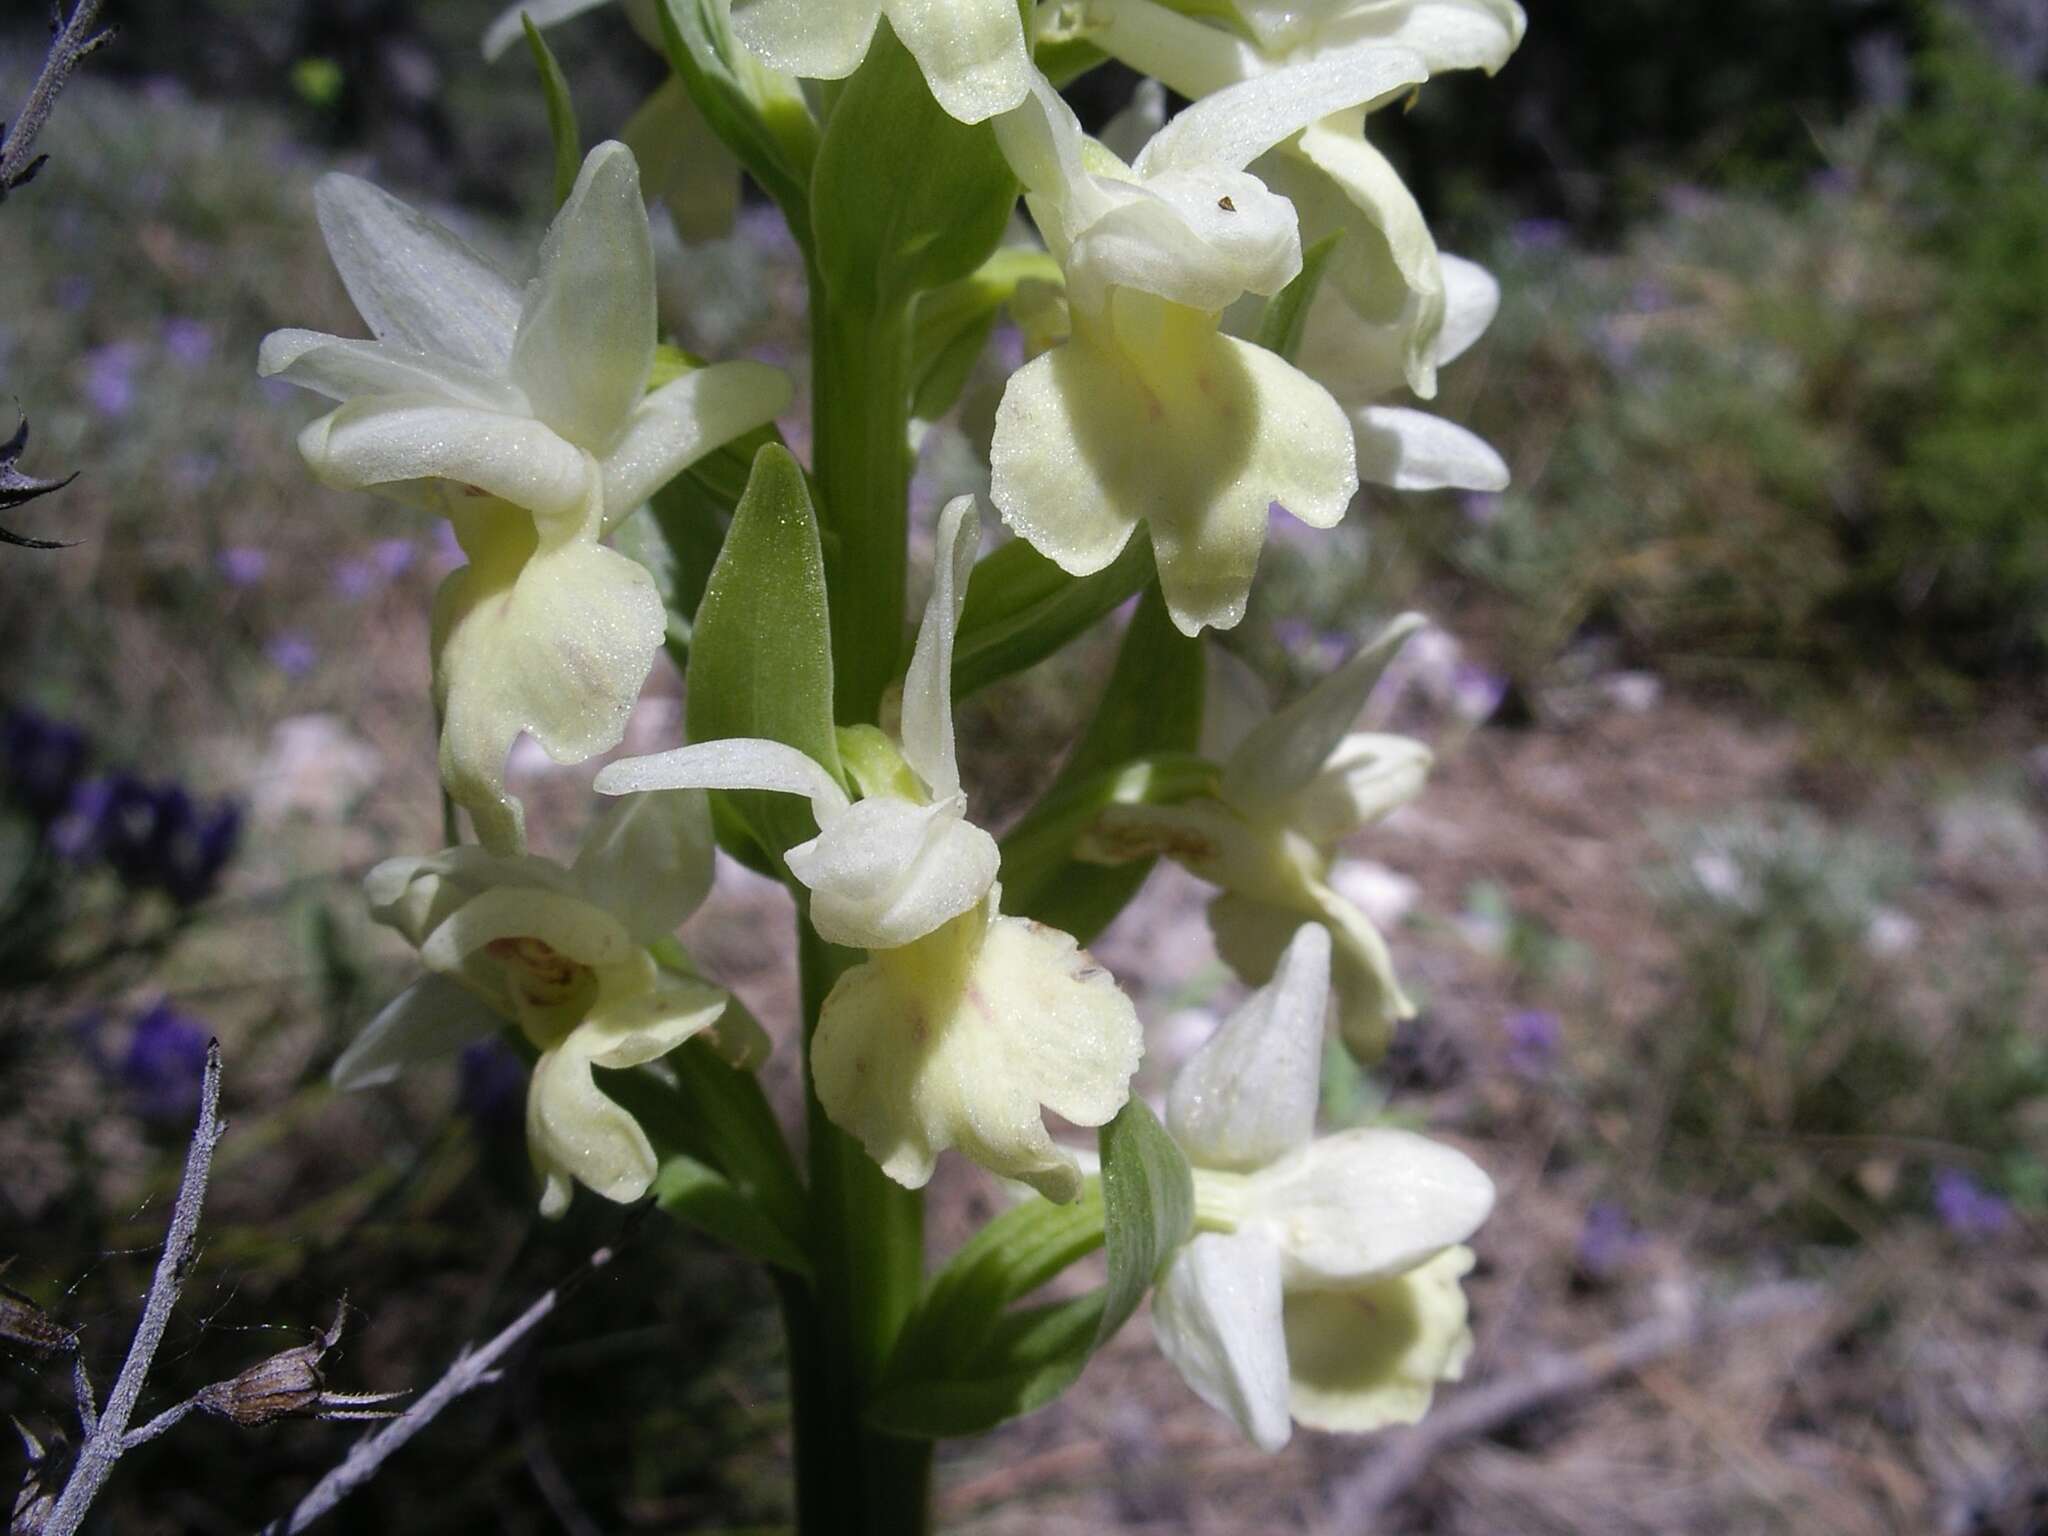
x: 964, y: 1025
x: 525, y: 419
x: 1148, y: 413
x: 1322, y: 1283
x: 1393, y: 302
x: 562, y: 954
x: 1290, y: 792
x: 973, y: 53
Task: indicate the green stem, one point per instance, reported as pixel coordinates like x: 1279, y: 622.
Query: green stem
x: 867, y: 1245
x: 860, y: 461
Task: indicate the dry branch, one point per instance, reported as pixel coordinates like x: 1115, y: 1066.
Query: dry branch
x: 1404, y: 1455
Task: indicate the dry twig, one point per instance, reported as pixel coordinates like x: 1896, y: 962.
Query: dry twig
x: 472, y: 1369
x: 1404, y: 1455
x: 106, y: 1430
x: 70, y: 41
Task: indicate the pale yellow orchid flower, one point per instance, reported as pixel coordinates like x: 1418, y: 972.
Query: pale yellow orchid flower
x: 1290, y: 792
x: 1387, y: 293
x: 563, y: 954
x: 973, y: 53
x: 523, y: 415
x: 1148, y: 413
x: 1322, y: 1283
x: 964, y: 1026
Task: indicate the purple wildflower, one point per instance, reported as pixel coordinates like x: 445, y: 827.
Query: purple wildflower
x: 394, y: 557
x: 192, y: 845
x: 1475, y: 692
x: 1966, y: 1208
x: 188, y: 342
x: 1608, y: 1241
x: 110, y: 377
x: 355, y: 580
x: 1534, y: 1035
x: 293, y: 654
x: 164, y: 1063
x: 242, y: 565
x: 490, y: 1085
x: 41, y: 760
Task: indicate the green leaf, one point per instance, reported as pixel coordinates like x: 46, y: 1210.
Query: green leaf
x: 760, y: 653
x: 1148, y: 1204
x: 1286, y: 313
x: 1151, y: 709
x: 1021, y: 608
x: 903, y: 197
x: 761, y: 117
x: 703, y: 1198
x: 561, y: 111
x: 953, y: 322
x: 964, y: 1362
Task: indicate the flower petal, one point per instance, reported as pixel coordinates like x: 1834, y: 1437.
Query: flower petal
x: 586, y: 331
x: 506, y: 30
x: 648, y: 860
x: 644, y: 1020
x: 1283, y: 755
x: 569, y: 925
x: 1196, y: 434
x: 804, y: 38
x: 1448, y: 34
x: 387, y: 440
x: 972, y: 52
x: 1471, y: 300
x: 740, y: 762
x: 1365, y: 1204
x: 886, y: 872
x: 1367, y: 776
x: 1236, y: 125
x: 342, y: 369
x: 1190, y: 56
x: 1249, y: 1095
x: 965, y: 1039
x: 554, y: 641
x: 682, y: 421
x: 1251, y: 934
x: 1414, y: 451
x: 1218, y: 1318
x: 574, y: 1131
x: 415, y: 283
x: 431, y: 1018
x: 928, y: 684
x: 1361, y: 1360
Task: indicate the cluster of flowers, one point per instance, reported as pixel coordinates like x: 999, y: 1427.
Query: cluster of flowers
x: 536, y: 416
x: 154, y: 836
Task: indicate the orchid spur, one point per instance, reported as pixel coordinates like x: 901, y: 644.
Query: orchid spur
x: 1290, y: 792
x: 1322, y: 1282
x: 1147, y: 413
x: 524, y: 417
x: 564, y: 955
x: 964, y: 1025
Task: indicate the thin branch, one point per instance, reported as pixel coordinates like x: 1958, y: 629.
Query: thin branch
x: 106, y: 1436
x: 1404, y: 1455
x: 73, y: 40
x: 472, y: 1369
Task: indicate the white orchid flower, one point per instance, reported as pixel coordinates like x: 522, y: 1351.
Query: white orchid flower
x: 973, y: 53
x: 1290, y: 792
x: 964, y: 1025
x: 1148, y: 413
x: 563, y: 954
x: 1322, y: 1283
x: 1386, y: 267
x: 524, y: 417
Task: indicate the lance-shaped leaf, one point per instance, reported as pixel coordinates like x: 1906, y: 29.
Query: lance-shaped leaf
x: 761, y: 653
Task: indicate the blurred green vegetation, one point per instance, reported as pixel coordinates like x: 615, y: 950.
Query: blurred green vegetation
x: 1790, y: 438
